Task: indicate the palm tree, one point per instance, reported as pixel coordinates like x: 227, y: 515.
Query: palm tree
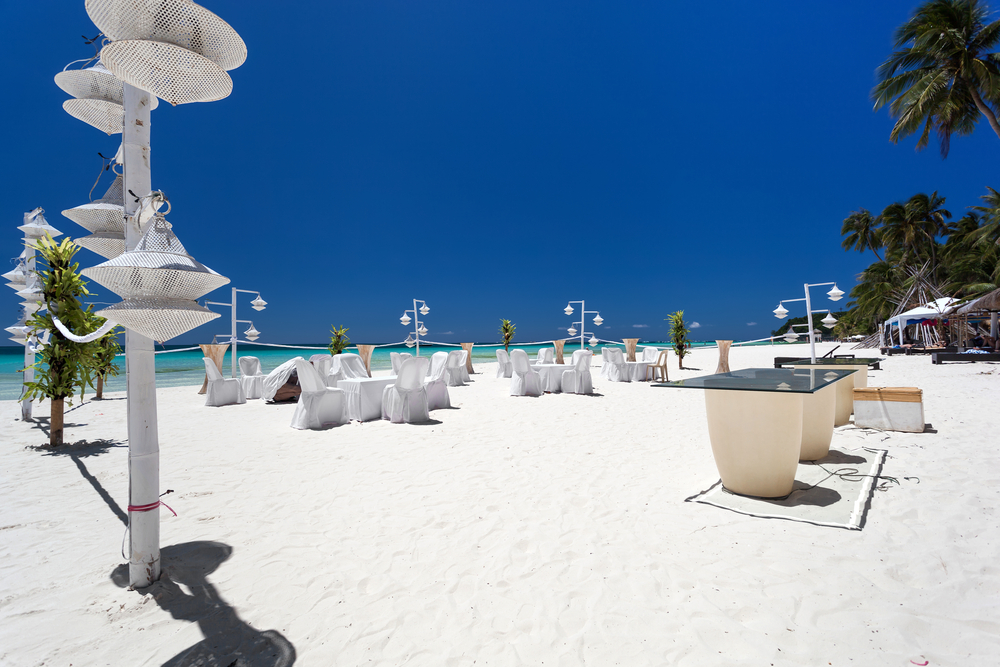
x: 862, y: 231
x: 942, y: 75
x: 912, y: 228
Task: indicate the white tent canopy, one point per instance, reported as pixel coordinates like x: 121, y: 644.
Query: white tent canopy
x: 930, y: 311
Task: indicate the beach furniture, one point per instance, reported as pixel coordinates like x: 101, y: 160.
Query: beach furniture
x: 941, y: 357
x: 405, y: 401
x: 546, y: 355
x: 660, y: 365
x: 577, y: 380
x: 251, y: 378
x: 889, y: 408
x: 524, y: 381
x: 579, y: 353
x: 216, y: 353
x: 319, y: 406
x: 723, y: 366
x: 321, y: 362
x: 221, y: 391
x: 650, y: 354
x: 845, y: 387
x: 550, y: 376
x: 504, y: 367
x: 466, y: 366
x: 397, y: 359
x: 435, y: 383
x: 276, y: 383
x: 615, y: 368
x: 346, y: 366
x: 762, y: 421
x: 453, y: 369
x: 363, y: 397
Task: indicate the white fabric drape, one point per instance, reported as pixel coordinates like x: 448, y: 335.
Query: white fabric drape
x: 614, y: 367
x: 221, y: 391
x: 319, y: 406
x: 465, y: 367
x: 363, y: 397
x: 650, y: 354
x: 504, y: 368
x: 525, y: 382
x: 435, y: 383
x: 105, y: 328
x: 406, y: 400
x: 453, y: 369
x: 345, y: 366
x: 546, y: 355
x: 578, y: 380
x: 251, y: 379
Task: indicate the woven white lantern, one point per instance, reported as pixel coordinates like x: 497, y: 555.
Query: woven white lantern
x: 158, y: 282
x: 35, y: 226
x: 99, y: 97
x: 106, y: 244
x: 174, y: 49
x: 106, y: 214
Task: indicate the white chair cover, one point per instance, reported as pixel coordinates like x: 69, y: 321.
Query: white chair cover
x: 277, y: 378
x: 465, y: 367
x: 525, y: 382
x: 614, y: 362
x: 453, y: 369
x: 319, y: 406
x: 546, y: 355
x: 322, y: 363
x: 406, y: 400
x: 251, y: 379
x: 504, y: 368
x: 221, y: 391
x: 435, y: 384
x: 345, y: 366
x: 578, y: 380
x: 579, y: 353
x: 650, y: 354
x: 395, y: 361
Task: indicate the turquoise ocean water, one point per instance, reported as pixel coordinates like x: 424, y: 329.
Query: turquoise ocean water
x: 176, y: 369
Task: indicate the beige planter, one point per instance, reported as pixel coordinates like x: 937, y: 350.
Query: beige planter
x: 468, y: 357
x: 845, y: 388
x: 559, y: 350
x: 217, y: 353
x: 630, y: 344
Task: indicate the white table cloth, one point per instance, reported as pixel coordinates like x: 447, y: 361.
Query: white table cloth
x: 637, y: 370
x: 551, y: 375
x: 364, y: 396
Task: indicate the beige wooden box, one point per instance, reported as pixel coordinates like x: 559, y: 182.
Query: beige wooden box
x: 889, y: 408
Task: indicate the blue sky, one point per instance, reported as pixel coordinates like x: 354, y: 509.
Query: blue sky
x: 498, y: 159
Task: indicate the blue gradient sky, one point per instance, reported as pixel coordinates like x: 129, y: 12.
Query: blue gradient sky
x: 498, y: 159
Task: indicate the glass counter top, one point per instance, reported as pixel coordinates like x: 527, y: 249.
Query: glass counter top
x: 793, y: 381
x: 859, y: 361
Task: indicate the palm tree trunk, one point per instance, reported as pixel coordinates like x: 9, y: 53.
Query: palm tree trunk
x: 100, y: 387
x: 985, y: 110
x: 56, y: 422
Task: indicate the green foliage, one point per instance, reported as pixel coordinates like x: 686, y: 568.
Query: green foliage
x: 339, y: 339
x: 943, y: 75
x: 107, y: 350
x: 678, y: 335
x: 507, y: 329
x: 62, y: 366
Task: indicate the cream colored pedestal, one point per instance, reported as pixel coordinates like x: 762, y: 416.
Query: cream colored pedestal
x: 818, y: 410
x: 845, y: 388
x: 756, y: 439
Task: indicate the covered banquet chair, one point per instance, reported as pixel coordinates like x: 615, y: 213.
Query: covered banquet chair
x: 321, y: 362
x: 275, y: 381
x: 615, y: 368
x: 577, y: 380
x: 546, y: 355
x: 649, y: 354
x: 319, y: 406
x: 453, y: 369
x: 465, y: 367
x: 221, y: 391
x: 504, y: 369
x: 579, y: 353
x: 435, y: 384
x: 345, y: 366
x: 525, y: 381
x: 406, y: 400
x: 396, y: 359
x: 251, y: 378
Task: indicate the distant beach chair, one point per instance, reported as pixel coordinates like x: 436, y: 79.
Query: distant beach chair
x: 546, y: 355
x: 660, y: 365
x: 319, y: 405
x: 578, y: 380
x: 525, y: 381
x: 221, y: 391
x: 615, y: 369
x: 406, y: 400
x: 453, y: 369
x: 650, y: 354
x: 504, y: 368
x: 435, y: 384
x: 465, y: 367
x: 251, y: 378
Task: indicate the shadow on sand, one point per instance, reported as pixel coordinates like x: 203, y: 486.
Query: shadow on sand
x: 229, y: 641
x: 80, y: 450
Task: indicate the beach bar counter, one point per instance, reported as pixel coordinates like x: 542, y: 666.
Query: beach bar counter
x: 763, y: 421
x: 845, y: 388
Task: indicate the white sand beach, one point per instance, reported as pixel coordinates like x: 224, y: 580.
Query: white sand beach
x: 512, y: 531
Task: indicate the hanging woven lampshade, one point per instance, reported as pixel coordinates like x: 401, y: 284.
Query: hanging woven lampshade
x: 159, y: 282
x: 99, y: 97
x: 15, y: 277
x: 174, y: 49
x: 106, y: 214
x: 106, y: 244
x: 35, y: 226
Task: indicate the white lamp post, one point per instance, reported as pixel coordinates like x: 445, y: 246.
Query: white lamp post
x: 256, y: 304
x: 418, y: 327
x: 834, y: 294
x: 598, y: 321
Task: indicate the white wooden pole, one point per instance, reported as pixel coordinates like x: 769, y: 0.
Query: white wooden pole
x: 140, y: 368
x: 29, y: 356
x: 809, y: 324
x: 232, y: 344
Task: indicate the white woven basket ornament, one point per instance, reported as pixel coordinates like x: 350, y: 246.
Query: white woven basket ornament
x: 106, y: 244
x: 15, y: 276
x: 99, y: 97
x: 35, y: 225
x: 159, y: 319
x: 106, y: 214
x: 174, y: 49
